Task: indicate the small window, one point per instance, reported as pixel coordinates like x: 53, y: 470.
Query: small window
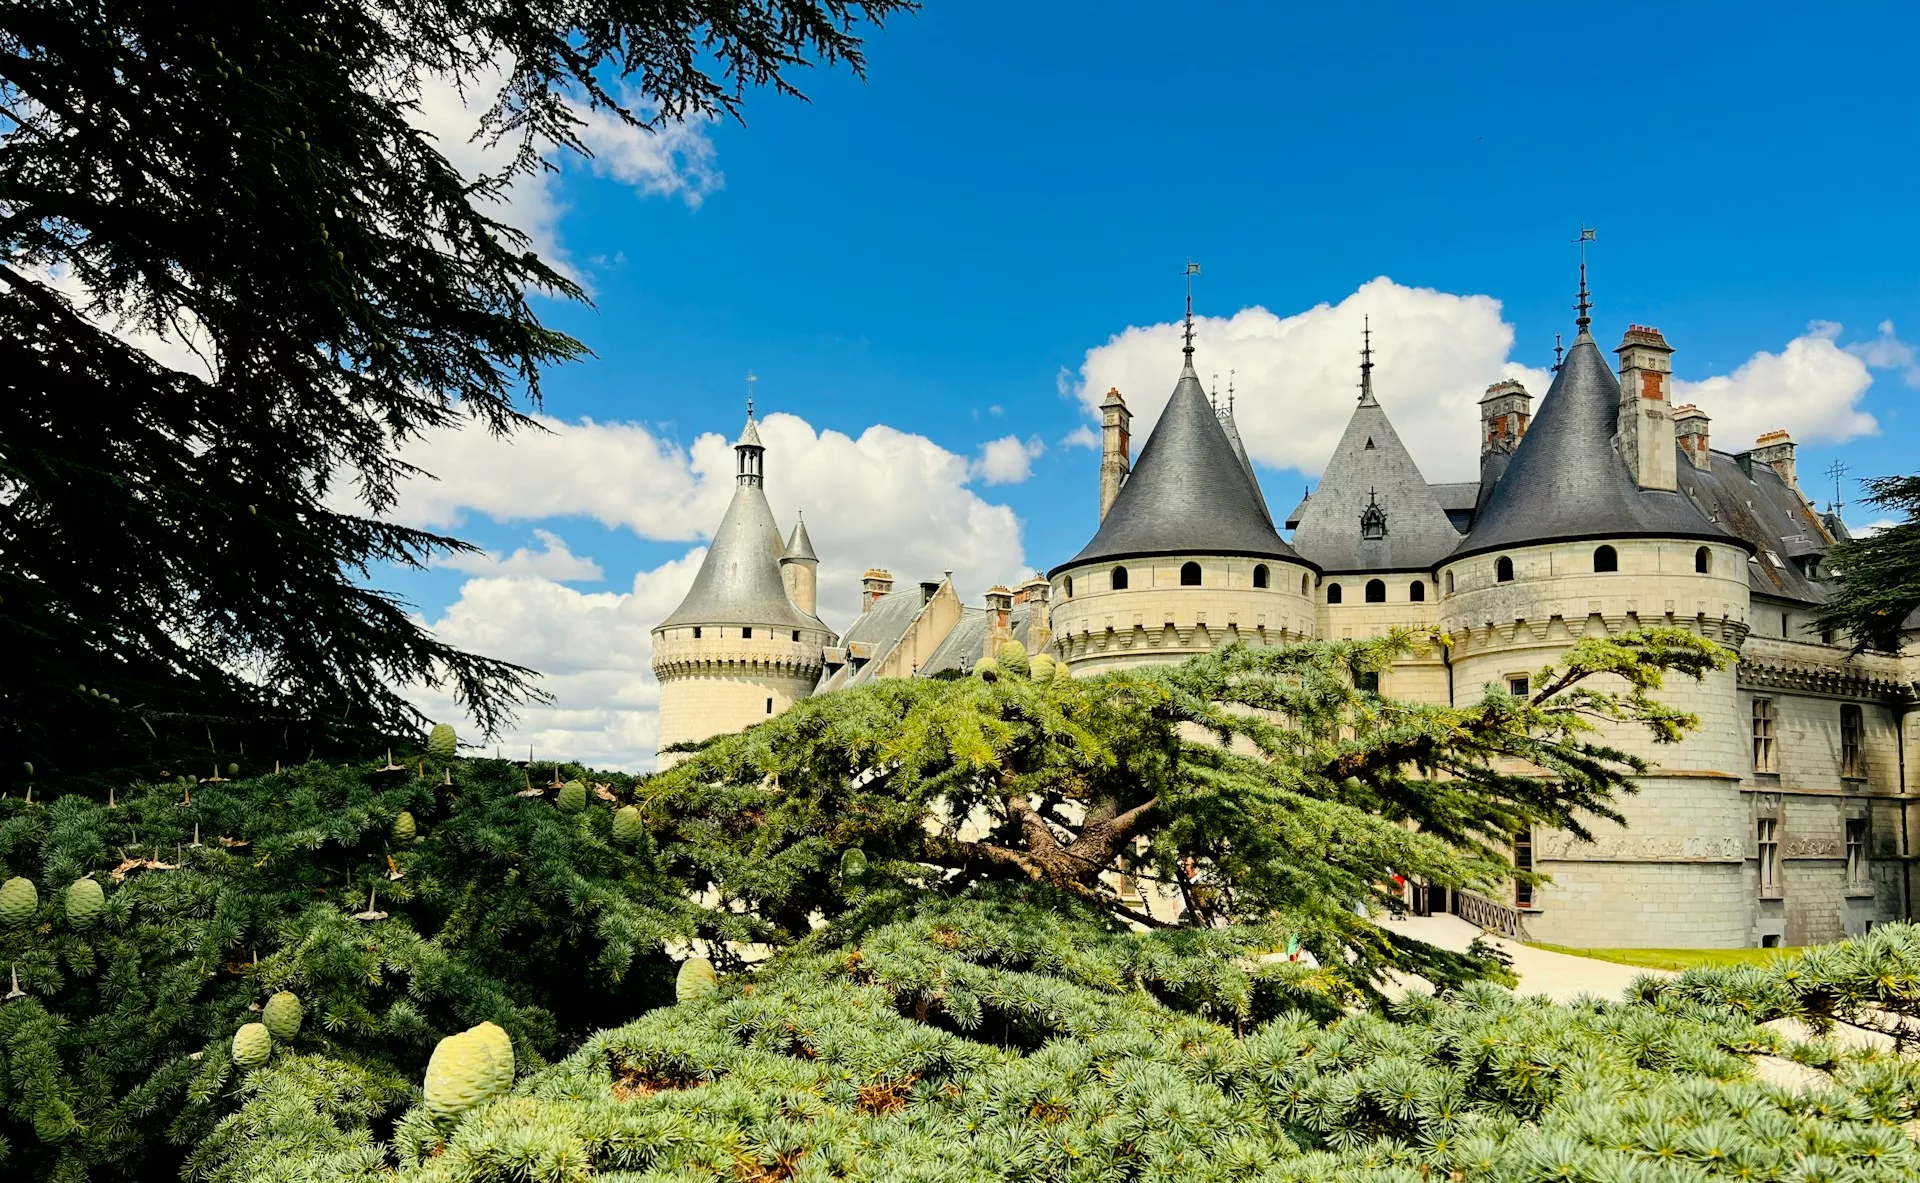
x: 1189, y: 575
x: 1417, y: 591
x: 1066, y: 587
x: 746, y: 634
x: 796, y: 634
x: 1119, y: 579
x: 1333, y: 593
x: 1261, y: 575
x: 769, y: 706
x: 1376, y: 591
x: 1763, y: 735
x: 1856, y: 851
x: 696, y: 632
x: 1449, y: 583
x: 1853, y: 757
x: 1523, y: 861
x: 1703, y: 560
x: 1605, y: 558
x: 1767, y: 848
x: 1503, y: 570
x: 1518, y: 685
x: 1368, y: 681
x: 1786, y: 626
x: 1770, y: 941
x: 1305, y: 589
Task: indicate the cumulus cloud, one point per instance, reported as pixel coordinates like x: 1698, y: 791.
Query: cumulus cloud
x: 1008, y: 460
x: 1886, y: 351
x: 1082, y: 437
x: 1296, y: 377
x: 884, y: 498
x: 552, y: 561
x: 1812, y: 388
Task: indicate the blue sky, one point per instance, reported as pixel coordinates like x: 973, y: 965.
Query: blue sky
x: 938, y: 249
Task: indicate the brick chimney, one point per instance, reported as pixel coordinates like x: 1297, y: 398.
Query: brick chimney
x: 1690, y: 429
x: 1644, y: 430
x: 1116, y: 444
x: 1775, y: 449
x: 1036, y: 593
x: 873, y: 585
x: 1504, y: 412
x: 999, y: 618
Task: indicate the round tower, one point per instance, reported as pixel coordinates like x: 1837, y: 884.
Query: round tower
x: 1586, y: 535
x: 1186, y: 558
x: 745, y: 644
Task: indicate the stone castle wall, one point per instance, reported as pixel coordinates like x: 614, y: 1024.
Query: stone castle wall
x: 1154, y: 620
x: 722, y: 681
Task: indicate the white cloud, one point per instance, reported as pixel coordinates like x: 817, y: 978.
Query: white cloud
x: 885, y: 498
x: 1887, y: 351
x: 1296, y: 377
x: 1082, y: 437
x: 553, y: 561
x: 1008, y: 460
x: 1812, y: 388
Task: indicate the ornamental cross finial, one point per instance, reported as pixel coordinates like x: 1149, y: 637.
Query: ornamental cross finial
x: 751, y: 379
x: 1192, y: 270
x: 1584, y: 306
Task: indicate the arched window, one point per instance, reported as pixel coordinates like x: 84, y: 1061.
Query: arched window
x: 1189, y: 575
x: 1503, y: 570
x: 1605, y: 558
x: 1066, y: 587
x: 1260, y: 575
x: 1119, y: 579
x: 1449, y: 583
x: 1304, y: 589
x: 1417, y: 591
x: 1703, y: 560
x: 1376, y: 591
x: 1333, y: 593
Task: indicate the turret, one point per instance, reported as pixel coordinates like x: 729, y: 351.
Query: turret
x: 1116, y: 442
x: 1644, y: 431
x: 800, y: 570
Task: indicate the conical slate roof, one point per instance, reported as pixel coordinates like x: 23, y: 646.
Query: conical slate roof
x: 1567, y: 481
x: 1189, y: 493
x: 739, y: 580
x: 1370, y: 466
x: 1240, y: 451
x: 800, y: 544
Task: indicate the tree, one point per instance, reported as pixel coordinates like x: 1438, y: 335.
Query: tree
x: 1249, y: 781
x: 245, y: 178
x: 1879, y: 574
x: 398, y: 905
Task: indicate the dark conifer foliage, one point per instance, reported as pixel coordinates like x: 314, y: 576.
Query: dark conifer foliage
x: 1879, y: 574
x: 115, y: 1055
x: 244, y: 177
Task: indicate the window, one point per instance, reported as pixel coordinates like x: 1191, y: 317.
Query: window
x: 796, y: 634
x: 1189, y: 575
x: 696, y: 632
x: 1605, y: 558
x: 1772, y: 940
x: 1786, y: 625
x: 1449, y: 583
x: 1417, y: 591
x: 1856, y: 852
x: 1368, y: 681
x: 1523, y: 861
x: 1703, y: 560
x: 1119, y: 579
x: 1503, y: 570
x: 769, y: 706
x: 1066, y: 588
x: 1333, y: 593
x: 1853, y: 756
x: 1373, y: 518
x: 1260, y: 575
x: 1518, y: 685
x: 1305, y: 588
x: 746, y: 634
x: 1376, y: 591
x: 1767, y: 847
x: 1763, y: 735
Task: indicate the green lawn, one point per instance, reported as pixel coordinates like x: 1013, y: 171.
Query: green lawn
x: 1675, y: 959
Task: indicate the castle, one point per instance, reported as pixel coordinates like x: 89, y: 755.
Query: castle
x: 1784, y: 819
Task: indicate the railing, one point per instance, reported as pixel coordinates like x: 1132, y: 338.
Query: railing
x: 1500, y: 918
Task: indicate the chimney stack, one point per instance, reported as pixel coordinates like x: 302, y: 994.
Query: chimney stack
x: 1690, y: 428
x: 1037, y: 593
x: 1504, y: 412
x: 1775, y: 449
x: 1644, y: 430
x: 1116, y: 448
x: 999, y: 618
x: 874, y: 585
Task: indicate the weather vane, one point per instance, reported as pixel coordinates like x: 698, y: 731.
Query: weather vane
x: 1192, y: 270
x: 1836, y: 470
x: 1584, y: 306
x: 751, y: 379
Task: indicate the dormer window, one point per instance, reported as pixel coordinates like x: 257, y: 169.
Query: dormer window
x: 1373, y: 519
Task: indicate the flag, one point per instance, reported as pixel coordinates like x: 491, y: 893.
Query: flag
x: 1586, y: 235
x: 1193, y: 268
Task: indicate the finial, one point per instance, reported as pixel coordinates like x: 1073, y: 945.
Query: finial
x: 1584, y: 306
x: 1366, y: 359
x: 751, y: 379
x: 1192, y: 270
x: 1213, y: 397
x: 1559, y: 353
x: 1230, y: 374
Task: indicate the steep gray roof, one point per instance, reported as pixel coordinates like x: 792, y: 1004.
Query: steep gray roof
x: 739, y: 580
x: 962, y: 647
x: 1750, y: 500
x: 800, y: 544
x: 1371, y: 466
x: 1566, y: 481
x: 1240, y: 451
x: 880, y: 628
x: 1188, y: 494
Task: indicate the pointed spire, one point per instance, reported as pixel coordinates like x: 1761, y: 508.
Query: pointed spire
x: 1230, y: 374
x: 1583, y: 306
x: 1559, y: 353
x: 1366, y: 361
x: 749, y: 451
x: 1192, y: 270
